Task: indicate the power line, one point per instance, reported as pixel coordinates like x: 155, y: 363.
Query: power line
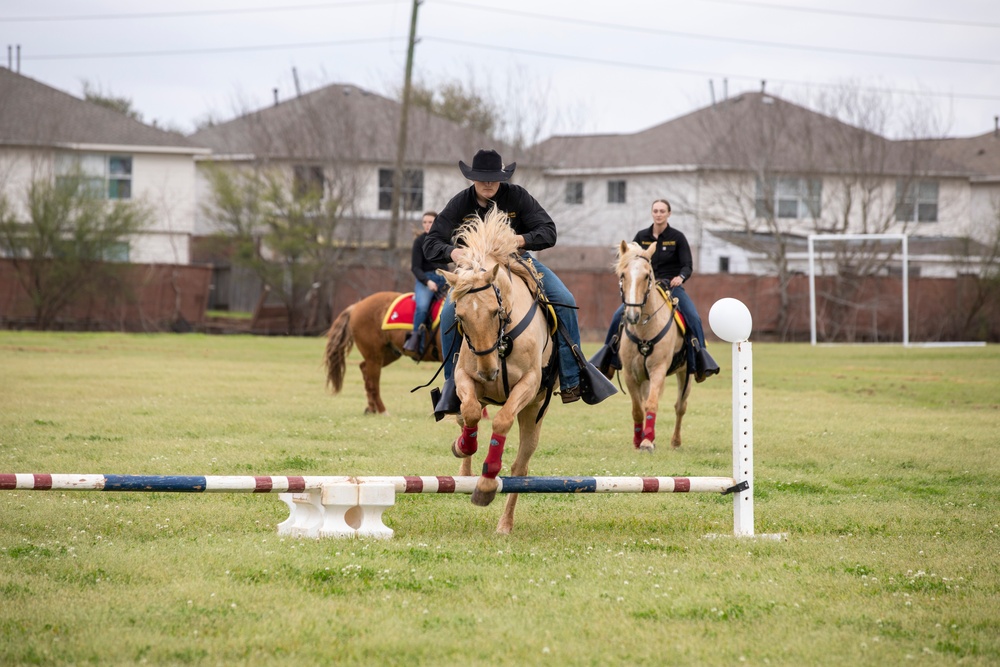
x: 222, y: 49
x: 193, y: 12
x: 478, y: 45
x: 659, y: 68
x: 735, y: 40
x: 863, y: 15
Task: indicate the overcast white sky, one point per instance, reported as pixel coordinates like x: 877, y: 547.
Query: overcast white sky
x: 609, y: 67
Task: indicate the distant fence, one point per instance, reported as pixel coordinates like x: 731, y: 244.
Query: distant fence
x: 159, y: 297
x: 145, y: 297
x: 941, y: 309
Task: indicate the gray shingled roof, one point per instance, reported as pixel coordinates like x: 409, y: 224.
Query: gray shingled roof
x: 345, y: 122
x: 33, y: 114
x: 980, y: 155
x: 744, y: 132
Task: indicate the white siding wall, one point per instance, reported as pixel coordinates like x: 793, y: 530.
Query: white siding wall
x: 164, y: 182
x: 18, y: 169
x: 167, y: 184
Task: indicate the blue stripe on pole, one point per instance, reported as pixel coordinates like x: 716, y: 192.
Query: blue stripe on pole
x: 173, y: 483
x: 549, y: 485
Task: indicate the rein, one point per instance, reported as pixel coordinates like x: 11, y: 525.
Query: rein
x: 503, y: 342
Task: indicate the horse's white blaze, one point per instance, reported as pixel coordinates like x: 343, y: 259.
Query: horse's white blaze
x: 636, y: 272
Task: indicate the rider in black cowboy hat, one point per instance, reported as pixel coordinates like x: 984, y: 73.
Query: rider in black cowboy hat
x: 535, y: 231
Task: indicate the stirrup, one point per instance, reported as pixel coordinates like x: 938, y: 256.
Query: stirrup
x: 607, y: 361
x: 412, y: 343
x: 445, y: 400
x: 705, y: 365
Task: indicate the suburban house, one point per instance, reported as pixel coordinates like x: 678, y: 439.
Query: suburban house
x: 341, y: 142
x: 750, y: 177
x: 46, y: 133
x: 338, y: 144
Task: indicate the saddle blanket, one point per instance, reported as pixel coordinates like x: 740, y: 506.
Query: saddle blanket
x: 399, y: 315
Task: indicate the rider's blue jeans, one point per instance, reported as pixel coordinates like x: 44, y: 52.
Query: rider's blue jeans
x: 564, y: 304
x: 422, y: 297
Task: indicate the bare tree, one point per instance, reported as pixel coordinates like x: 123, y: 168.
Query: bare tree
x: 286, y: 235
x: 788, y: 172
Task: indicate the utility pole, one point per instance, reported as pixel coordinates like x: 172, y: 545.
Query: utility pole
x: 397, y: 176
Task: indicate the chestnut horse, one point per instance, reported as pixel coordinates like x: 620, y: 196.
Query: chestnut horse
x: 651, y: 345
x: 507, y: 348
x: 361, y: 324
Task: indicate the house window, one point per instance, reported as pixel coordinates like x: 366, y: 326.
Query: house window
x: 723, y: 265
x: 917, y: 201
x: 116, y: 251
x: 104, y: 176
x: 308, y: 181
x: 616, y: 192
x: 789, y: 197
x: 411, y: 195
x: 574, y: 192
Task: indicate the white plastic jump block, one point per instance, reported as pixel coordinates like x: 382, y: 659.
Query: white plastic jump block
x: 373, y: 500
x: 341, y: 509
x: 305, y: 515
x: 338, y: 502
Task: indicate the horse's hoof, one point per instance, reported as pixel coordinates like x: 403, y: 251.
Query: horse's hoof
x: 647, y: 447
x: 458, y: 452
x: 483, y: 498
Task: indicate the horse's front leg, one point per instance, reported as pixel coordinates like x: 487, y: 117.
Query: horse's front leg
x: 520, y: 395
x: 527, y: 442
x: 650, y: 406
x: 467, y: 442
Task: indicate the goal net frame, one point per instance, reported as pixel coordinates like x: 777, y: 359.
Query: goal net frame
x: 903, y: 238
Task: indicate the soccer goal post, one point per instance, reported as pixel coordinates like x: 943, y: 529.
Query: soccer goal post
x: 813, y: 238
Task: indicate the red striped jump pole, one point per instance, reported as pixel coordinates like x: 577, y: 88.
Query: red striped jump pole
x: 401, y: 484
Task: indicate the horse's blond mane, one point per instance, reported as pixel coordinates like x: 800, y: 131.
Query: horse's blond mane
x: 488, y: 241
x: 634, y: 250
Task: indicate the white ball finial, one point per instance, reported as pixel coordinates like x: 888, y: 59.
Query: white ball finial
x: 730, y: 320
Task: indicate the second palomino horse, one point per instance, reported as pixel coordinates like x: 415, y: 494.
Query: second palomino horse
x: 652, y: 345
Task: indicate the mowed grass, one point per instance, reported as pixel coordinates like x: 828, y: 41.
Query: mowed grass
x: 881, y: 464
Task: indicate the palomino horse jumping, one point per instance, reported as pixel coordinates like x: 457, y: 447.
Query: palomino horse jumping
x: 651, y: 345
x: 506, y: 350
x: 361, y: 324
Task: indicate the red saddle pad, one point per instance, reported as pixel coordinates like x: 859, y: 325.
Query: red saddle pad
x: 399, y: 315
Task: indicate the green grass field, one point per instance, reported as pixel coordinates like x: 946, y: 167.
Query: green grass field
x: 881, y: 464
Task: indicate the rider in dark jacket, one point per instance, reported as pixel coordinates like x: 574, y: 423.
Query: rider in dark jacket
x: 427, y: 285
x: 535, y: 230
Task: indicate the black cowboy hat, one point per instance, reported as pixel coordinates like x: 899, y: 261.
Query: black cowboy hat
x: 487, y: 166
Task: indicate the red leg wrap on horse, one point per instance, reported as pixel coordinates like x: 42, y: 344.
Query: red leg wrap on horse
x: 467, y: 443
x: 492, y: 465
x: 649, y: 429
x: 637, y: 434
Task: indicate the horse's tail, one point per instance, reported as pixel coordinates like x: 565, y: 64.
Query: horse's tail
x: 339, y: 342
